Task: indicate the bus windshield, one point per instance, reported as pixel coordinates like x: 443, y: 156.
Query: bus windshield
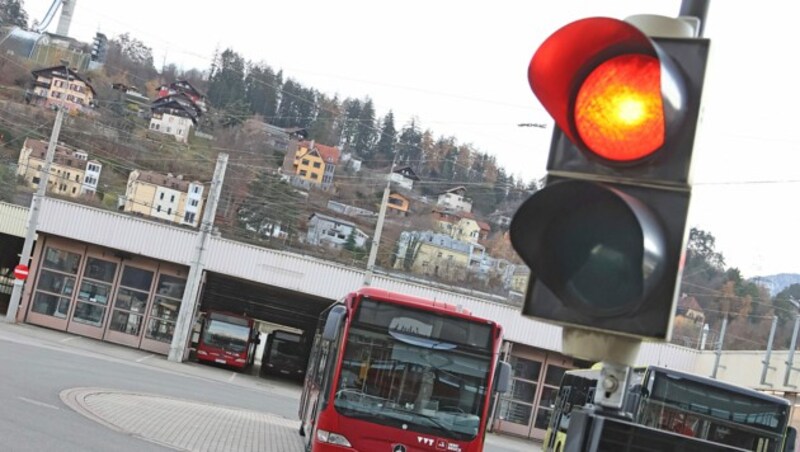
x: 398, y: 370
x: 224, y: 334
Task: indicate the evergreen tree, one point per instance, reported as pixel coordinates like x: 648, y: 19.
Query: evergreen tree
x: 385, y: 148
x: 352, y: 111
x: 270, y: 203
x: 327, y: 124
x: 410, y: 145
x: 12, y: 12
x: 226, y: 89
x: 261, y: 88
x: 365, y: 130
x: 297, y: 105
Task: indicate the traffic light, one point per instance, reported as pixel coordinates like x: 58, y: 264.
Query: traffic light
x: 605, y: 237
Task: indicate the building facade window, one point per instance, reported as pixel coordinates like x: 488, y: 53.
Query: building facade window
x: 164, y: 312
x: 95, y: 291
x: 56, y: 283
x: 131, y: 300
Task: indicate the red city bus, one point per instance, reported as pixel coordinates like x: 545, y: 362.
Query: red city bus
x: 396, y: 373
x: 227, y: 339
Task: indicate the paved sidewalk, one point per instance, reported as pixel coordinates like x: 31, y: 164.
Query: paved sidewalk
x: 185, y: 424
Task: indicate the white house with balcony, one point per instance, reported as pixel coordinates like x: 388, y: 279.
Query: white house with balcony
x: 455, y: 199
x: 333, y: 232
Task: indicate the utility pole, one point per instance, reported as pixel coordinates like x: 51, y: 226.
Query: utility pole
x: 33, y: 216
x: 373, y: 251
x: 183, y: 326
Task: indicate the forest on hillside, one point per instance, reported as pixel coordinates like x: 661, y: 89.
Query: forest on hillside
x: 723, y: 293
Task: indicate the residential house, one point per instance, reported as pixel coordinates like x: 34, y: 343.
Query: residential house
x: 177, y: 109
x: 500, y: 219
x: 398, y: 204
x: 167, y: 197
x: 519, y: 279
x: 689, y: 307
x: 58, y: 85
x: 351, y: 162
x: 433, y: 254
x: 71, y: 173
x: 187, y: 90
x: 334, y: 232
x: 283, y: 139
x: 455, y: 199
x: 404, y: 177
x: 174, y: 115
x: 461, y: 225
x: 312, y: 164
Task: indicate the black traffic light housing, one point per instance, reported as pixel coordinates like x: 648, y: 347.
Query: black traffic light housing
x: 605, y: 237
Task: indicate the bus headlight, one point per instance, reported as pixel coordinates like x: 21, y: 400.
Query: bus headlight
x: 332, y: 438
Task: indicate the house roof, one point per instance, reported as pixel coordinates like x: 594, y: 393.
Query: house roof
x: 63, y: 154
x: 329, y: 154
x: 182, y: 85
x: 177, y: 101
x: 163, y: 180
x: 58, y: 71
x: 407, y: 172
x: 445, y: 241
x: 689, y: 302
x: 460, y: 189
x: 338, y: 221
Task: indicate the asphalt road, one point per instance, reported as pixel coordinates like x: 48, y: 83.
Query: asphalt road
x: 33, y: 418
x: 36, y: 365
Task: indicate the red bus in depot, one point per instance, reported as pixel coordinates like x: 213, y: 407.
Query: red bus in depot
x: 396, y: 373
x: 227, y: 339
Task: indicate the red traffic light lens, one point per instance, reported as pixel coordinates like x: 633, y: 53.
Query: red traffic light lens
x: 619, y: 113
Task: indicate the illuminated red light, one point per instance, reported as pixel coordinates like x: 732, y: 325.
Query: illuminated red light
x: 618, y: 112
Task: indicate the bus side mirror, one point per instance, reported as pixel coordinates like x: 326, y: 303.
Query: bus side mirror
x: 333, y: 323
x: 791, y: 439
x: 503, y: 377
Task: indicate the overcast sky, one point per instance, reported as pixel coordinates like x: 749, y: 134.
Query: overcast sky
x: 460, y: 68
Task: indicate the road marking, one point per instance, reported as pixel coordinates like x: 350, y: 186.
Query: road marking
x: 38, y: 403
x: 144, y: 358
x: 69, y: 339
x: 232, y: 377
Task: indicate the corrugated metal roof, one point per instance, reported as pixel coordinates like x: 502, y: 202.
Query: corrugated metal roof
x: 118, y: 231
x: 14, y: 219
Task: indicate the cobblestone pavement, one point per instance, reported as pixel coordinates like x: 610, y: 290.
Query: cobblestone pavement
x: 185, y: 425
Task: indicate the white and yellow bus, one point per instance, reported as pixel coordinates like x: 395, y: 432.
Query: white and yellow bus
x: 688, y: 404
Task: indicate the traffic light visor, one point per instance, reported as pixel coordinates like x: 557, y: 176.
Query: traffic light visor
x: 608, y: 87
x: 604, y: 270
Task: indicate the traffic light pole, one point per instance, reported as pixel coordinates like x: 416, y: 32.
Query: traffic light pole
x: 33, y: 216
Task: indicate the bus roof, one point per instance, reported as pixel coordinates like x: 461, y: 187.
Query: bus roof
x: 719, y: 384
x: 432, y: 305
